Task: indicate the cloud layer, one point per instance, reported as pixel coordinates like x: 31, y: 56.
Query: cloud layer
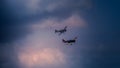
x: 22, y: 17
x: 46, y: 57
x: 40, y: 49
x: 73, y: 21
x: 41, y: 6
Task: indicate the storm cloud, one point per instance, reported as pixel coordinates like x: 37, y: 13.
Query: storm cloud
x: 17, y: 15
x: 18, y: 18
x: 27, y: 34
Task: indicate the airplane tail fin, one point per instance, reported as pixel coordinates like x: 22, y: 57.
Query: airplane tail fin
x: 63, y: 40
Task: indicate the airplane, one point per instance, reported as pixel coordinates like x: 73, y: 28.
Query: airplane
x: 69, y: 41
x: 61, y: 30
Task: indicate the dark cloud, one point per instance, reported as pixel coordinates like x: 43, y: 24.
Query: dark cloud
x: 8, y: 57
x: 30, y: 7
x: 17, y: 15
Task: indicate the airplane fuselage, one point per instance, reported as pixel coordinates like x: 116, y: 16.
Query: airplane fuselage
x: 69, y: 41
x: 60, y: 31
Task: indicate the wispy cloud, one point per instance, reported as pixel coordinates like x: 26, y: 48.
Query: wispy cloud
x: 72, y: 21
x: 51, y: 5
x: 41, y: 6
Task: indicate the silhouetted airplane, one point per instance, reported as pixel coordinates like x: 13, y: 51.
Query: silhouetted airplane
x: 70, y: 41
x: 61, y: 31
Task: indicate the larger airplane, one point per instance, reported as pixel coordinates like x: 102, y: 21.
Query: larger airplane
x: 61, y: 30
x: 69, y: 41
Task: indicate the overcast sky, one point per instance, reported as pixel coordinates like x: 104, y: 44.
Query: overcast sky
x: 27, y: 38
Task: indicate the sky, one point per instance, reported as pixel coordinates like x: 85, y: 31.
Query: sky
x: 27, y: 38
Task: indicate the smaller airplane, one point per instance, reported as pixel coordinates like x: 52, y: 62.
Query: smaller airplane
x: 61, y: 31
x: 69, y: 41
